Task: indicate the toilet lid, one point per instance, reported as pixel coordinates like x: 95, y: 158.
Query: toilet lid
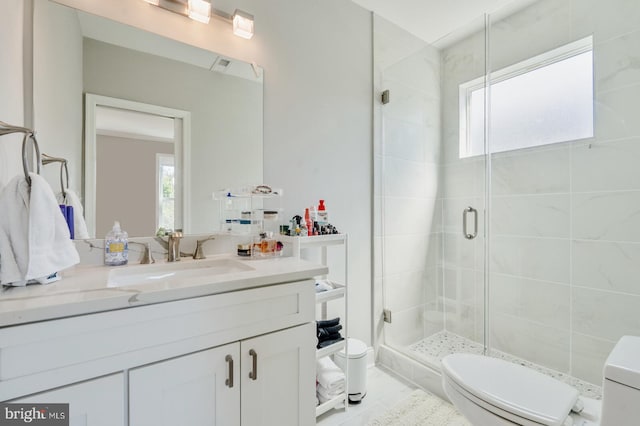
x: 512, y: 387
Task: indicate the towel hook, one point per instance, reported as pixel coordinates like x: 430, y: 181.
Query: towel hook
x: 6, y: 129
x: 25, y: 162
x: 62, y: 184
x: 64, y: 171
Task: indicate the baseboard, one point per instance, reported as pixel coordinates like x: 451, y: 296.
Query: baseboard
x: 419, y: 374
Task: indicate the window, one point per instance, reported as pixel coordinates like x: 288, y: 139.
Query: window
x: 543, y: 100
x: 166, y: 182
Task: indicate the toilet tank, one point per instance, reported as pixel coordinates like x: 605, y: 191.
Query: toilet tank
x: 621, y: 384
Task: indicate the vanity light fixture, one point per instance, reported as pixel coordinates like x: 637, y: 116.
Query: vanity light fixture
x: 201, y: 11
x: 198, y: 10
x: 241, y: 21
x: 242, y: 24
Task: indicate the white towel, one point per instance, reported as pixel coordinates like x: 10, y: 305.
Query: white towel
x: 329, y: 375
x: 79, y: 225
x: 34, y: 237
x: 325, y: 394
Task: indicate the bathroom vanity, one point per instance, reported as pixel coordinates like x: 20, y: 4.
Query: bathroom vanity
x: 231, y: 346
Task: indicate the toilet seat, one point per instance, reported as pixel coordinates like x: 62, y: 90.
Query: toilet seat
x: 497, y: 386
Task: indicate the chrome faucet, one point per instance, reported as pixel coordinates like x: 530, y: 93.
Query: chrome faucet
x: 173, y: 253
x: 198, y: 254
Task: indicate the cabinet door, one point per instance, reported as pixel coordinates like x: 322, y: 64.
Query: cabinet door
x: 278, y: 378
x: 191, y: 390
x: 98, y: 402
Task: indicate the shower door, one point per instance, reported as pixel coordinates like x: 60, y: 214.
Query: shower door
x: 533, y: 121
x: 429, y: 194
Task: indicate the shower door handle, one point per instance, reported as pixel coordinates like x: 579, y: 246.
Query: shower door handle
x: 465, y: 213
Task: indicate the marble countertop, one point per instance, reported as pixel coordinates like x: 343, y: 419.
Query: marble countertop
x: 90, y: 289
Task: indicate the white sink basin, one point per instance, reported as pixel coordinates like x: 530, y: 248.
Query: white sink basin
x: 172, y: 272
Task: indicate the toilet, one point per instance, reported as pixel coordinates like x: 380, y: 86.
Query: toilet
x: 493, y: 392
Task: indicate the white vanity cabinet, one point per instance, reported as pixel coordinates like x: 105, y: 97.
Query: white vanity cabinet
x: 170, y: 363
x: 260, y: 381
x: 196, y: 389
x: 97, y: 402
x: 281, y: 387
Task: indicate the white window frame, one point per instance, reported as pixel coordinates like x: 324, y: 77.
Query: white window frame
x: 466, y: 89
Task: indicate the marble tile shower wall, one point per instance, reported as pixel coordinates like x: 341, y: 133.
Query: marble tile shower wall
x: 407, y: 156
x: 565, y: 240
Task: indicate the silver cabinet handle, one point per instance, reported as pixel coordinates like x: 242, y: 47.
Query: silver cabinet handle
x: 254, y: 373
x: 465, y: 212
x: 229, y: 381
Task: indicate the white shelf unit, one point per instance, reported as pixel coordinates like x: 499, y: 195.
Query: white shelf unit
x: 323, y: 242
x: 245, y: 215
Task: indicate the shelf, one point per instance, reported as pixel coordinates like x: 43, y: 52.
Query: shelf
x: 330, y: 350
x: 316, y: 240
x: 226, y: 194
x: 332, y: 403
x: 337, y: 293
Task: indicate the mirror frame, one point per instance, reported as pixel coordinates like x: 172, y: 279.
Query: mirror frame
x: 182, y: 153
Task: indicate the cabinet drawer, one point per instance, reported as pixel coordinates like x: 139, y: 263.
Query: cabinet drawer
x: 101, y: 343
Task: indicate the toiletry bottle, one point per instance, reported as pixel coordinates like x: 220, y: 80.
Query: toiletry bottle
x: 308, y: 223
x: 116, y: 246
x: 323, y: 216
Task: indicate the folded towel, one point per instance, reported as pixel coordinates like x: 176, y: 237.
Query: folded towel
x: 79, y: 224
x: 325, y: 395
x: 326, y: 343
x: 332, y: 336
x: 34, y: 237
x: 329, y: 375
x: 327, y: 323
x: 326, y: 331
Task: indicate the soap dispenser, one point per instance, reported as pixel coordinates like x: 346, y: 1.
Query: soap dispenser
x: 116, y: 246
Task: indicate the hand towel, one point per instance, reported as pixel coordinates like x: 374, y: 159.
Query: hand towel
x: 34, y: 238
x: 329, y: 375
x: 79, y: 224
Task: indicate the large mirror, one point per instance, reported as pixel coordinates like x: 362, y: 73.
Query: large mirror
x: 165, y: 124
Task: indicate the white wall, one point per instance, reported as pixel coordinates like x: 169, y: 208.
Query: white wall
x: 317, y: 102
x: 11, y: 86
x: 57, y: 85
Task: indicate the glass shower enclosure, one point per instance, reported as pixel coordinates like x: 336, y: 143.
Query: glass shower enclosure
x: 526, y: 120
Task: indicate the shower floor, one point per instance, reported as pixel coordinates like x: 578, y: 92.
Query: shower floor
x: 437, y: 346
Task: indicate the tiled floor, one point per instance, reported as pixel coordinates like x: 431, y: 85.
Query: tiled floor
x: 384, y: 390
